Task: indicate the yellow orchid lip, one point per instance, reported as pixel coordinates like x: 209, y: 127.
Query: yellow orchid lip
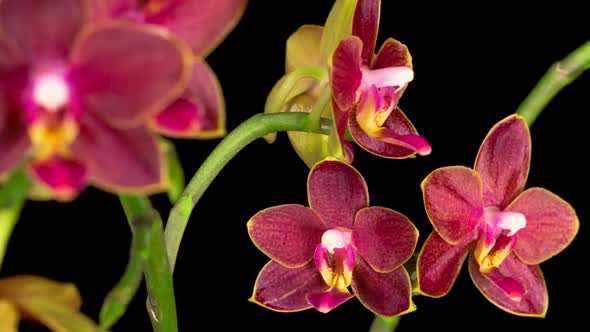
x: 50, y: 138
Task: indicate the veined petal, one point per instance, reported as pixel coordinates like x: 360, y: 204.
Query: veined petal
x: 392, y: 54
x: 43, y: 29
x: 203, y: 24
x: 534, y: 300
x: 503, y: 161
x: 120, y: 160
x: 326, y: 301
x: 284, y: 289
x: 439, y: 264
x: 199, y: 112
x: 303, y: 47
x: 345, y: 72
x: 385, y: 294
x: 65, y: 178
x: 338, y: 26
x: 337, y: 146
x: 287, y: 234
x: 365, y: 25
x: 551, y: 225
x: 112, y: 60
x: 14, y: 141
x: 385, y: 238
x: 10, y: 317
x: 407, y: 141
x: 452, y: 199
x: 336, y: 191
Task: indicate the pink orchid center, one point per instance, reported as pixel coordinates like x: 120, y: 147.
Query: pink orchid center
x: 335, y: 258
x: 377, y: 96
x: 497, y: 237
x: 51, y: 114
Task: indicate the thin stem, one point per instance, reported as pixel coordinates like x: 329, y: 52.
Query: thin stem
x: 118, y: 299
x: 255, y: 127
x: 161, y: 303
x: 556, y: 78
x: 12, y: 199
x: 384, y: 324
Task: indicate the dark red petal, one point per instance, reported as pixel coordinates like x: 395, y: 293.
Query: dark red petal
x: 43, y: 29
x: 284, y: 289
x: 346, y: 72
x: 452, y: 199
x: 119, y: 160
x: 336, y: 191
x: 439, y: 264
x: 385, y: 238
x: 551, y: 225
x: 365, y: 25
x: 111, y: 61
x: 534, y: 301
x: 385, y: 294
x: 503, y: 161
x: 288, y: 234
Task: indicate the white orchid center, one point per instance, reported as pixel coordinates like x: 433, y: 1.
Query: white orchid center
x: 51, y: 92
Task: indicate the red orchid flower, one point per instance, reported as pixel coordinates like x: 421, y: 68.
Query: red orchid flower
x: 200, y: 111
x: 339, y: 241
x: 74, y: 96
x: 484, y: 211
x: 367, y: 88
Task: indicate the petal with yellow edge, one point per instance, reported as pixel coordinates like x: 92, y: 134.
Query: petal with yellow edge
x: 517, y: 288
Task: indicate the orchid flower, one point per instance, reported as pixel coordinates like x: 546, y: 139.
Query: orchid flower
x: 53, y: 304
x: 200, y: 111
x: 484, y: 213
x: 367, y: 88
x: 74, y: 97
x: 317, y: 252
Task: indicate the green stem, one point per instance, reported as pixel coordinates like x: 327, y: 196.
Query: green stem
x: 384, y: 324
x: 161, y: 303
x: 13, y: 195
x: 556, y: 78
x: 255, y: 127
x: 118, y: 299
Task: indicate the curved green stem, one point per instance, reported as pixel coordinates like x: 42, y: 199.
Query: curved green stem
x: 556, y: 78
x: 161, y: 303
x: 255, y: 127
x: 118, y: 299
x: 384, y: 324
x: 13, y: 195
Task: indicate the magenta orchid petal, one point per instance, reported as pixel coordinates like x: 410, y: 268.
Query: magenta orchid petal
x: 503, y: 161
x: 336, y: 140
x: 534, y: 299
x: 201, y: 23
x: 286, y: 289
x: 42, y: 29
x: 106, y: 9
x: 551, y: 225
x: 396, y: 126
x: 200, y: 112
x: 365, y: 25
x: 121, y: 160
x: 14, y: 140
x: 346, y: 72
x: 287, y: 234
x: 452, y: 199
x: 64, y: 177
x: 336, y: 191
x: 112, y: 60
x: 439, y: 264
x: 392, y: 54
x: 384, y: 238
x: 385, y: 294
x: 326, y: 301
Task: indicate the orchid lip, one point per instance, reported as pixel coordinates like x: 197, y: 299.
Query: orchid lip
x: 504, y: 221
x: 397, y: 77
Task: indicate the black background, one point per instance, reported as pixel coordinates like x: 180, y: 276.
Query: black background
x: 473, y: 66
